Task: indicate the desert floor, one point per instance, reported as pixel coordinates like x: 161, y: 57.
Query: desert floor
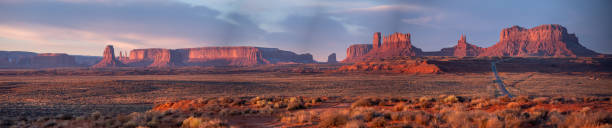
x: 50, y: 95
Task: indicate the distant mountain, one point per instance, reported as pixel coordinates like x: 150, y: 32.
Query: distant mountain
x: 20, y: 59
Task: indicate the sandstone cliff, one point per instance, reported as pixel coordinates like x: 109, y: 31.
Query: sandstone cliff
x: 543, y: 40
x: 356, y: 51
x: 214, y: 56
x: 396, y: 44
x: 108, y: 59
x: 463, y: 48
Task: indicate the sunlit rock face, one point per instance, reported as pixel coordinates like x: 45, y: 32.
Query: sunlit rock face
x: 463, y: 48
x: 214, y: 56
x: 396, y: 44
x: 543, y: 40
x: 357, y: 51
x: 108, y: 59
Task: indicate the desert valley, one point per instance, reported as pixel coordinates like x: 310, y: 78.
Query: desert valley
x: 532, y: 77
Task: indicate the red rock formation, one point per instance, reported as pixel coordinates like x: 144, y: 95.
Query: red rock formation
x: 356, y: 51
x: 376, y: 41
x: 236, y: 56
x: 108, y: 59
x: 396, y: 44
x: 462, y: 49
x: 332, y: 58
x: 214, y: 56
x: 148, y: 57
x: 543, y: 40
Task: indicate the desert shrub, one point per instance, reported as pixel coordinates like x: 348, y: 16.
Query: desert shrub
x: 332, y: 119
x: 585, y: 109
x: 363, y: 102
x: 294, y: 105
x: 399, y: 107
x: 513, y: 105
x: 587, y: 119
x: 450, y: 99
x: 266, y: 110
x: 426, y: 99
x: 541, y: 100
x: 196, y: 122
x: 504, y: 99
x: 426, y: 105
x: 410, y: 117
x: 215, y: 123
x: 460, y: 118
x: 238, y: 102
x: 355, y: 124
x: 378, y: 122
x: 191, y: 122
x: 95, y: 115
x: 366, y: 114
x: 297, y: 117
x: 492, y: 122
x: 522, y: 99
x: 396, y: 116
x: 316, y: 100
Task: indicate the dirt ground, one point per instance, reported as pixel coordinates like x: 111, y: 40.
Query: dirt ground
x: 49, y: 95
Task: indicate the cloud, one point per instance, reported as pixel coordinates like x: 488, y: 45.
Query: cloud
x: 419, y: 21
x: 382, y: 8
x: 58, y: 37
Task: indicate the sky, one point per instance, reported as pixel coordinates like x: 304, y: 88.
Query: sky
x: 319, y: 27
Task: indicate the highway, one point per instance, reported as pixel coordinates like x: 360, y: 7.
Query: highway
x: 498, y: 80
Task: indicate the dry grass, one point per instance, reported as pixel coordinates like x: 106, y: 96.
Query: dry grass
x: 29, y: 101
x: 333, y: 119
x: 502, y: 112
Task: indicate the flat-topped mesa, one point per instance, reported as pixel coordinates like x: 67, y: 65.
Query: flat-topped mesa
x: 108, y: 59
x: 214, y: 56
x: 52, y: 60
x: 356, y: 51
x: 397, y: 41
x: 543, y: 40
x: 396, y: 44
x: 332, y: 58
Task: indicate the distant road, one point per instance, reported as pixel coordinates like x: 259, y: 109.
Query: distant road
x: 498, y: 80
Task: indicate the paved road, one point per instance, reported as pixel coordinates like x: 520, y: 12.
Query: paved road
x: 498, y: 80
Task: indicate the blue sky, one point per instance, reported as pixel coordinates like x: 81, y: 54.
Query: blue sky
x: 319, y: 27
